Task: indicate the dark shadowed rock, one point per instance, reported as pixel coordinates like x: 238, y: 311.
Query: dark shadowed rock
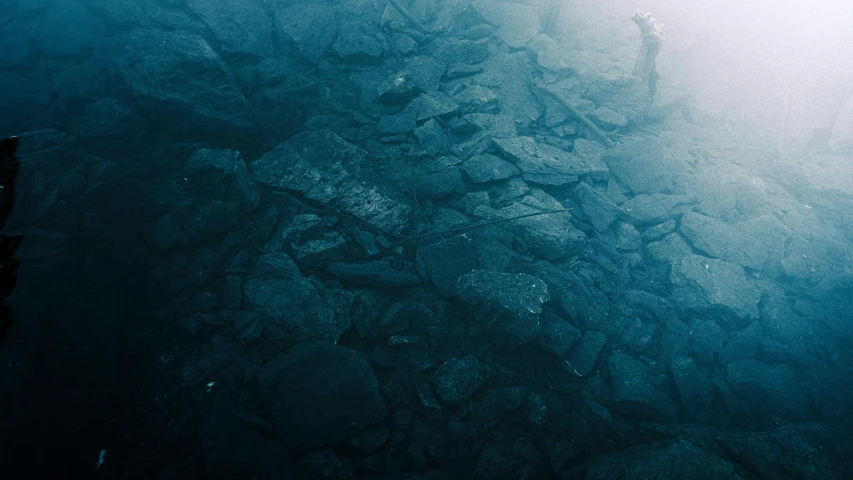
x: 378, y: 273
x: 506, y: 305
x: 458, y: 378
x: 743, y: 346
x: 242, y: 27
x: 552, y: 236
x: 291, y: 306
x: 596, y: 208
x: 509, y: 458
x: 321, y: 394
x: 774, y: 387
x: 584, y: 354
x: 179, y: 76
x: 707, y: 340
x: 316, y: 165
x: 556, y: 335
x: 488, y: 410
x: 446, y: 261
x: 682, y: 458
x: 695, y: 389
x: 634, y: 393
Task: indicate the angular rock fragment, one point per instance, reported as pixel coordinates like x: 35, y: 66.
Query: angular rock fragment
x: 634, y: 393
x: 598, y: 210
x: 505, y: 305
x: 772, y: 386
x: 487, y: 168
x: 292, y: 307
x: 711, y: 282
x: 694, y: 387
x: 584, y: 354
x: 458, y: 378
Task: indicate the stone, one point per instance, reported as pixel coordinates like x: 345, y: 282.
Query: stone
x: 241, y: 27
x: 168, y: 72
x: 53, y: 35
x: 488, y: 168
x: 656, y: 207
x: 695, y: 389
x: 458, y: 378
x: 290, y: 306
x: 706, y: 341
x: 495, y: 125
x: 425, y: 72
x: 356, y: 43
x: 320, y: 394
x: 445, y: 261
x: 477, y: 99
x: 642, y: 167
x: 378, y: 273
x: 750, y: 244
x: 608, y: 119
x: 773, y: 387
x: 596, y: 208
x: 584, y: 354
x: 488, y: 411
x: 717, y: 283
x: 311, y: 26
x: 506, y: 305
x: 431, y: 138
x: 443, y: 184
x: 517, y: 23
x: 556, y: 335
x: 248, y: 325
x: 316, y: 164
x: 431, y: 104
x: 743, y: 346
x: 398, y: 89
x: 634, y: 393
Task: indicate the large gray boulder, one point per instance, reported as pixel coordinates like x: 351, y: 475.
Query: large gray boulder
x: 750, y: 244
x: 321, y: 394
x: 707, y: 282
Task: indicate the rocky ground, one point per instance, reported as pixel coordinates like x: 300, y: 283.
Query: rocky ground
x: 279, y: 240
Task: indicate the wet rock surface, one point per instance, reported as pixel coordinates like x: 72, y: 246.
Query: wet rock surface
x: 383, y: 239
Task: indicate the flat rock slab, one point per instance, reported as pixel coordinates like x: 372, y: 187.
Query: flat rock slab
x: 545, y: 164
x: 488, y: 168
x: 749, y: 244
x: 316, y: 165
x: 656, y: 207
x: 642, y: 167
x: 718, y: 283
x: 598, y: 210
x: 321, y: 394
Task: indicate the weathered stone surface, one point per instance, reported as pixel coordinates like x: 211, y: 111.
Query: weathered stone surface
x: 477, y: 99
x: 431, y: 104
x: 378, y: 273
x: 458, y: 378
x: 751, y: 243
x: 505, y: 305
x: 311, y: 26
x: 624, y: 94
x: 556, y: 335
x: 695, y: 389
x: 551, y: 236
x: 321, y: 394
x: 582, y: 358
x: 717, y: 283
x: 542, y: 163
x: 633, y: 391
x: 642, y: 167
x: 242, y: 27
x: 425, y: 72
x: 53, y: 34
x: 608, y: 119
x: 596, y: 208
x: 656, y: 207
x: 431, y: 138
x: 743, y: 346
x: 680, y: 459
x: 357, y: 42
x: 315, y: 164
x: 487, y: 168
x: 494, y: 125
x: 707, y: 340
x: 291, y: 306
x: 169, y: 71
x: 772, y: 386
x: 446, y: 261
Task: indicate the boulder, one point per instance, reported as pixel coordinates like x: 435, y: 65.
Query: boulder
x: 241, y: 27
x: 458, y: 378
x: 712, y: 282
x: 771, y: 387
x: 319, y: 395
x: 633, y: 392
